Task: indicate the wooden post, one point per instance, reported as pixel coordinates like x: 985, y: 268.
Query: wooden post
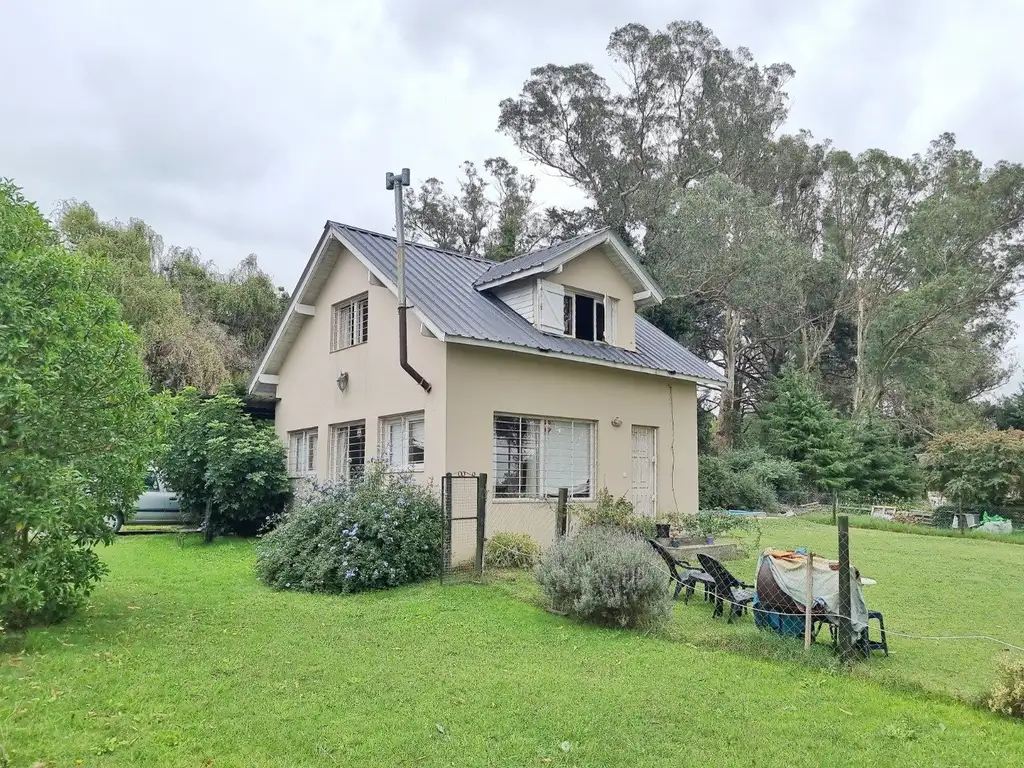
x: 481, y: 517
x: 845, y: 604
x: 561, y: 520
x: 809, y: 601
x: 835, y: 506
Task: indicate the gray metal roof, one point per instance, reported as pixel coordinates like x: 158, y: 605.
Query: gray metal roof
x: 532, y: 259
x: 440, y: 284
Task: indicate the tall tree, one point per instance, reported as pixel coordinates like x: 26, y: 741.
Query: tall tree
x: 493, y: 215
x: 688, y: 108
x: 719, y: 245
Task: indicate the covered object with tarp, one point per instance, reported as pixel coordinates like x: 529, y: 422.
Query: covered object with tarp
x: 782, y: 592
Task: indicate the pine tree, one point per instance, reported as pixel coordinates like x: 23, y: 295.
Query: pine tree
x: 800, y: 426
x: 883, y: 468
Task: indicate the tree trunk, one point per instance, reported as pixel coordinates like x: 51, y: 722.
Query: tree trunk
x: 207, y: 525
x: 727, y: 405
x: 859, y: 385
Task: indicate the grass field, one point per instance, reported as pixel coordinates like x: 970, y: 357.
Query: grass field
x: 183, y: 659
x: 874, y: 524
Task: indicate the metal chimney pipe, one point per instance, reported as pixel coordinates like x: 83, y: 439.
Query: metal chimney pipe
x: 396, y: 182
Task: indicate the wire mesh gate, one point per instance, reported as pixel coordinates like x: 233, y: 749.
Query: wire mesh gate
x: 463, y: 515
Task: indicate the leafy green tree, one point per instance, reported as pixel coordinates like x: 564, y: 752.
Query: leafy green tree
x: 1008, y: 411
x: 800, y: 426
x: 977, y: 468
x: 230, y: 472
x: 77, y: 423
x: 883, y: 468
x: 718, y: 244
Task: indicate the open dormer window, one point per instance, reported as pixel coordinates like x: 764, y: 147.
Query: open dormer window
x: 575, y: 313
x: 583, y: 316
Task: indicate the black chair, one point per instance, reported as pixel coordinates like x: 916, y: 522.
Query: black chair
x: 690, y: 577
x: 864, y: 643
x: 727, y: 588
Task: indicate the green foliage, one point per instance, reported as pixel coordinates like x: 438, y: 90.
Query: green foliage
x: 1008, y: 696
x: 511, y: 550
x: 977, y: 468
x: 605, y: 576
x: 745, y: 479
x: 76, y: 419
x: 881, y: 467
x: 223, y: 463
x: 1008, y: 411
x: 799, y: 425
x: 198, y: 327
x: 611, y: 512
x: 382, y: 531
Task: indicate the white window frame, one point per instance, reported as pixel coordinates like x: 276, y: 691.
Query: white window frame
x: 303, y: 451
x: 340, y: 467
x: 543, y: 426
x: 408, y: 423
x: 350, y: 321
x: 552, y: 292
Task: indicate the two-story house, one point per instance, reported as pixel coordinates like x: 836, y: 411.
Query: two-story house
x: 540, y: 370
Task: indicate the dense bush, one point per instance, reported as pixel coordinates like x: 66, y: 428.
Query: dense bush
x: 76, y: 418
x: 749, y: 479
x: 382, y: 531
x: 605, y: 576
x: 1008, y: 695
x: 511, y: 550
x: 611, y: 512
x: 224, y: 465
x: 977, y: 468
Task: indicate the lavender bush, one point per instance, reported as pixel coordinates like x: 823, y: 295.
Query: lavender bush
x: 382, y: 531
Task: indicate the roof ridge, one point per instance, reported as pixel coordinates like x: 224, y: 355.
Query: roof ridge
x: 446, y: 251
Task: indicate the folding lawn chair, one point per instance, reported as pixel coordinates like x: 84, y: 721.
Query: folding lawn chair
x: 684, y: 574
x: 727, y: 588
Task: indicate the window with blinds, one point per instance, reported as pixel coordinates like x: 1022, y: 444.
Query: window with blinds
x: 534, y: 457
x: 402, y: 441
x: 302, y: 447
x: 349, y: 322
x: 348, y: 451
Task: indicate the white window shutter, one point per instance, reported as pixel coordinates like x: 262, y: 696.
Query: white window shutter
x: 551, y: 307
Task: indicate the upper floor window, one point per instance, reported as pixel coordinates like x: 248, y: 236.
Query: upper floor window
x: 402, y: 441
x: 576, y: 313
x: 349, y: 322
x: 302, y: 447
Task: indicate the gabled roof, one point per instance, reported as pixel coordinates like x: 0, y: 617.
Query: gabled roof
x: 442, y: 291
x: 548, y: 259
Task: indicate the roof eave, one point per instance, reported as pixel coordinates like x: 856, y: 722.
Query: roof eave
x: 710, y: 383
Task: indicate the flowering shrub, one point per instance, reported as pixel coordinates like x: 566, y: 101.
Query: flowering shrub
x: 605, y: 576
x: 609, y: 512
x: 1008, y: 696
x: 511, y: 550
x: 382, y: 531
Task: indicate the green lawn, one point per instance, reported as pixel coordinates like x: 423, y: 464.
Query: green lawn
x: 184, y: 659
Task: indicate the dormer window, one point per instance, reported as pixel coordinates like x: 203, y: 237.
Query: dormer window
x: 575, y: 313
x: 583, y: 316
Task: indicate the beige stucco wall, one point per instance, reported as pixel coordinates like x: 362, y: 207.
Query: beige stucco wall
x: 482, y: 381
x: 309, y: 396
x: 595, y: 273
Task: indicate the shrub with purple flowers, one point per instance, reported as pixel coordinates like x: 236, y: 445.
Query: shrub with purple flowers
x: 381, y: 531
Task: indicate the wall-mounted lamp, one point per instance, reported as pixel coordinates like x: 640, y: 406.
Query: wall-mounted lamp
x: 616, y: 422
x: 342, y: 381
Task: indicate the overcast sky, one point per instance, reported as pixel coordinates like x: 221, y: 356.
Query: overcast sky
x: 239, y: 127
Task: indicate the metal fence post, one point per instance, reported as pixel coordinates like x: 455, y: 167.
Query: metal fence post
x: 561, y: 521
x: 481, y: 515
x: 845, y: 608
x: 446, y: 523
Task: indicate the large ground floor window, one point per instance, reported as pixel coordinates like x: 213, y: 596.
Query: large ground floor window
x: 348, y: 451
x: 402, y: 441
x: 534, y: 457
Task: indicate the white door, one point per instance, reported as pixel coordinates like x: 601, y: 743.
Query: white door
x: 645, y: 470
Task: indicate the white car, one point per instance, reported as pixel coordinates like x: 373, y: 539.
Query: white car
x: 158, y: 505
